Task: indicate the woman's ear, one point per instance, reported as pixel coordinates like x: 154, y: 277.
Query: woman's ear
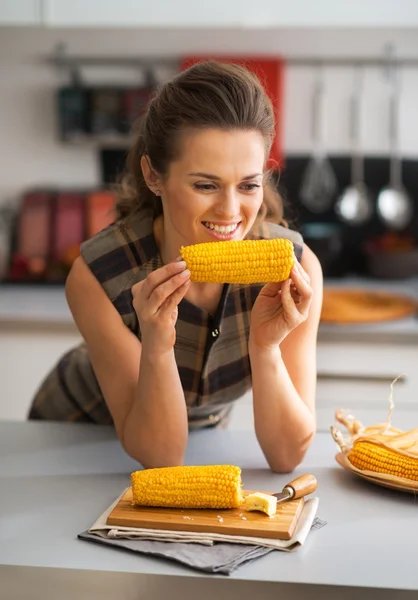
x: 151, y: 177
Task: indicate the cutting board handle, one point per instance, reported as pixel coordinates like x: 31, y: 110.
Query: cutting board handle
x: 303, y: 485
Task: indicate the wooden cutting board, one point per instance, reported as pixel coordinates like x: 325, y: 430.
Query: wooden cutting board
x: 228, y: 521
x: 364, y: 306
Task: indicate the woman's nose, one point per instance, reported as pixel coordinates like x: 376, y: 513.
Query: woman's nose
x: 228, y: 205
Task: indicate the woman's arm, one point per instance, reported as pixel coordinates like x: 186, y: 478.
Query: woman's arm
x: 284, y: 383
x: 142, y: 390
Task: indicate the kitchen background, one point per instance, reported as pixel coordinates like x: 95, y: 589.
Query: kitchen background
x: 73, y: 76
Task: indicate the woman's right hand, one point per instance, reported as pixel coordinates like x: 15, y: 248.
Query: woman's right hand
x: 155, y: 300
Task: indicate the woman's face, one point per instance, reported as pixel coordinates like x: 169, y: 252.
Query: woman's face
x: 214, y: 190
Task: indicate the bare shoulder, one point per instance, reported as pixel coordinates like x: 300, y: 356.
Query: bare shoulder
x: 81, y: 280
x: 86, y: 298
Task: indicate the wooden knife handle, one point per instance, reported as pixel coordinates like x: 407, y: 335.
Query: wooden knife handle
x: 303, y: 485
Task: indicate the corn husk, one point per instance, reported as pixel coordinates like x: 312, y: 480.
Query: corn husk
x: 382, y: 434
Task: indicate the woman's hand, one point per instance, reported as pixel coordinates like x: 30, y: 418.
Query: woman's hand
x: 155, y: 301
x: 280, y: 308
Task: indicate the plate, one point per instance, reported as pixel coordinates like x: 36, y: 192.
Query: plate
x: 388, y: 481
x: 357, y: 306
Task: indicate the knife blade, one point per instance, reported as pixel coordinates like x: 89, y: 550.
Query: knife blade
x: 297, y: 488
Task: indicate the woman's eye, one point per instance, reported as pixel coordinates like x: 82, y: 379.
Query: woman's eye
x: 204, y: 187
x: 250, y: 187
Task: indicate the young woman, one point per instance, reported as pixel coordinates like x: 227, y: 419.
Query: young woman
x: 163, y: 354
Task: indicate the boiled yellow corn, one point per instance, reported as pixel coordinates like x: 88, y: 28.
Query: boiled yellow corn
x: 209, y: 486
x: 240, y: 261
x: 370, y: 456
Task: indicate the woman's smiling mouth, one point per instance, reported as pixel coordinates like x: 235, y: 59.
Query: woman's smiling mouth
x: 222, y: 231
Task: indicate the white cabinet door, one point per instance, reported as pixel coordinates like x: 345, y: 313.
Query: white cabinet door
x: 233, y: 13
x: 356, y: 377
x: 26, y: 357
x: 328, y: 13
x: 20, y: 12
x: 141, y: 13
x: 359, y: 375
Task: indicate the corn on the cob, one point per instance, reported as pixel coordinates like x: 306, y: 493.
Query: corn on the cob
x: 369, y: 456
x: 209, y: 486
x: 240, y: 261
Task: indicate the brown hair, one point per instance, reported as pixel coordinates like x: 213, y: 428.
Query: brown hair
x: 209, y: 94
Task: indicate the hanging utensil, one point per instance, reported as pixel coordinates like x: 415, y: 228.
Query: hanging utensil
x: 394, y: 206
x: 319, y: 184
x: 355, y: 204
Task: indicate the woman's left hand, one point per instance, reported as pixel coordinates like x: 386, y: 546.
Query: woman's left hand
x: 279, y: 308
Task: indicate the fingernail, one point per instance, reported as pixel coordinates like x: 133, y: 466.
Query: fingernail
x: 181, y: 264
x: 179, y: 258
x: 185, y: 273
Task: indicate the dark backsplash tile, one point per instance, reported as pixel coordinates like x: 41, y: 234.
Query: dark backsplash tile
x: 353, y: 259
x: 376, y: 174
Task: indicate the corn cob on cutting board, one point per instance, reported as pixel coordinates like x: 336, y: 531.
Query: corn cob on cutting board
x: 234, y: 521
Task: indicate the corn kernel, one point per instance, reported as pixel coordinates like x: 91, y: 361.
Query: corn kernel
x: 188, y: 487
x: 240, y: 261
x: 369, y: 456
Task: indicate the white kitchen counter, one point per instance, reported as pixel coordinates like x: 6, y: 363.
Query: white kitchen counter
x: 56, y: 479
x: 42, y: 306
x: 38, y: 304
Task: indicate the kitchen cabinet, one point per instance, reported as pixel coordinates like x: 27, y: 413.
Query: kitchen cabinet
x: 358, y: 375
x: 27, y: 354
x: 217, y: 13
x: 138, y: 13
x: 20, y: 12
x: 234, y: 13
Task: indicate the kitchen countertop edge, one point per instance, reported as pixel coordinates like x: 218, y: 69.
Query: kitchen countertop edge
x: 44, y: 309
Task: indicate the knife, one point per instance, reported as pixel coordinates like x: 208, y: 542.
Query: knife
x: 297, y: 488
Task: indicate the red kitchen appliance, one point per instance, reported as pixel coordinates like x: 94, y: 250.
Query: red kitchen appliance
x: 33, y: 236
x: 99, y: 211
x: 68, y: 230
x: 50, y: 228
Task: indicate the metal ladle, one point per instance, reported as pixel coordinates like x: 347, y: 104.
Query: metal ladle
x: 355, y: 204
x: 394, y: 206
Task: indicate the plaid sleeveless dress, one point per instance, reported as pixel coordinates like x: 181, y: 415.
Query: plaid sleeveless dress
x: 211, y: 352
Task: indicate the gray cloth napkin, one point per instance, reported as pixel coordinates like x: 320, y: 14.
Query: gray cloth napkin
x: 221, y: 558
x: 214, y: 553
